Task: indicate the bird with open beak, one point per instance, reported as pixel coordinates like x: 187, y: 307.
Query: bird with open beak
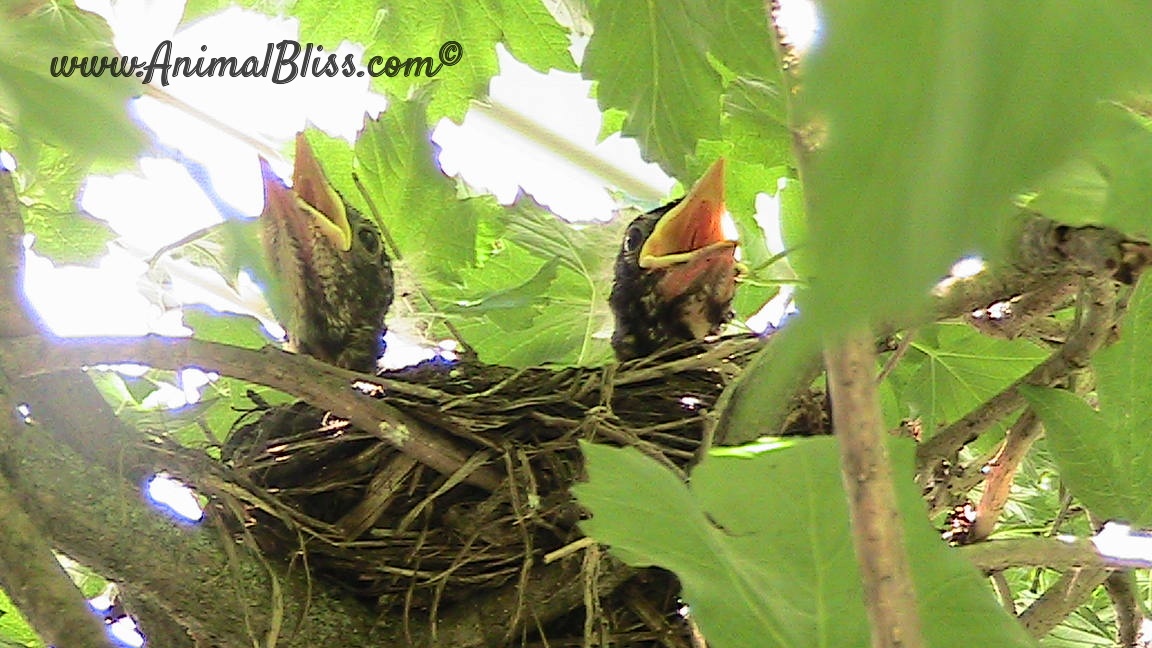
x: 333, y: 273
x: 676, y: 272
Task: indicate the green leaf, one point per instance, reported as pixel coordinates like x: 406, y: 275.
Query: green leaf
x: 649, y: 61
x: 1104, y: 456
x: 550, y: 280
x: 85, y: 115
x: 410, y: 28
x: 48, y: 182
x: 14, y: 628
x: 532, y: 292
x: 739, y: 565
x: 652, y: 60
x: 229, y: 328
x: 1084, y: 447
x: 951, y: 368
x: 1107, y: 184
x: 923, y: 121
x: 435, y: 231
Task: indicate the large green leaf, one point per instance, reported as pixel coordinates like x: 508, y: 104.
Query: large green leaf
x: 651, y: 60
x: 1108, y: 182
x: 408, y: 29
x: 781, y: 572
x: 48, y: 181
x: 922, y: 121
x: 1104, y: 456
x: 435, y: 231
x: 951, y: 368
x: 86, y: 115
x: 540, y: 295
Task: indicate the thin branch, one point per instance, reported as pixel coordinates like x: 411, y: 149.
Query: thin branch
x: 1073, y: 355
x: 322, y: 385
x: 877, y: 530
x: 1054, y: 553
x: 1121, y: 588
x: 998, y: 486
x: 1058, y: 601
x: 897, y: 355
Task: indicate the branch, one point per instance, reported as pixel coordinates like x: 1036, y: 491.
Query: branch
x: 29, y: 571
x: 1121, y: 587
x: 1054, y: 553
x: 38, y: 585
x: 14, y: 312
x: 222, y: 595
x: 877, y: 532
x: 1058, y: 601
x: 322, y: 385
x: 1017, y: 442
x: 1100, y: 293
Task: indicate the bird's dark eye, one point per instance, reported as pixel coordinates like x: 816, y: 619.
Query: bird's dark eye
x: 369, y: 239
x: 633, y: 240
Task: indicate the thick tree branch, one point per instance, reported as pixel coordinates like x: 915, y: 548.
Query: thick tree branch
x: 221, y: 594
x: 877, y: 531
x: 322, y: 385
x: 15, y: 317
x: 37, y: 584
x: 29, y: 571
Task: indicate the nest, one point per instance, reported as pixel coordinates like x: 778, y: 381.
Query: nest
x: 388, y: 528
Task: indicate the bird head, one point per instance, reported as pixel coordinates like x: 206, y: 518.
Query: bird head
x: 334, y: 274
x: 676, y: 272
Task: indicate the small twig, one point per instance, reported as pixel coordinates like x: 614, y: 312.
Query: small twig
x: 1017, y: 442
x: 567, y: 550
x: 897, y: 355
x: 261, y: 146
x: 877, y: 528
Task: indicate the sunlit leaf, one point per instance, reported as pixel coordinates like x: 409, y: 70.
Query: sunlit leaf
x: 86, y: 115
x: 951, y: 368
x: 651, y: 61
x: 228, y: 328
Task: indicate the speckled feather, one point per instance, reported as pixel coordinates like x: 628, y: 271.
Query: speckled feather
x: 646, y: 321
